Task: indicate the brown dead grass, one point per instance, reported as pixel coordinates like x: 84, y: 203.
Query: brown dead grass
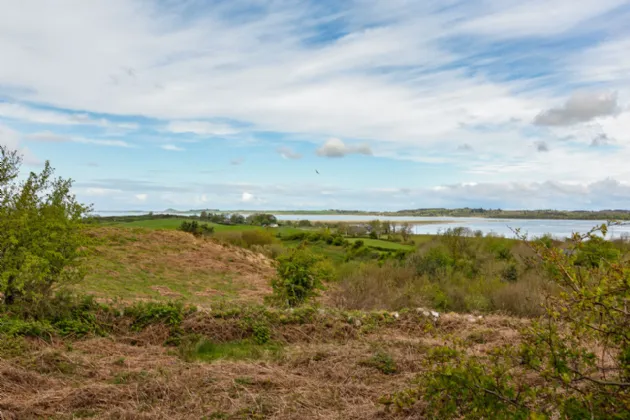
x: 133, y: 376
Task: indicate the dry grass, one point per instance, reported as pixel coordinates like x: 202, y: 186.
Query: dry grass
x: 146, y: 264
x: 110, y: 378
x: 370, y: 287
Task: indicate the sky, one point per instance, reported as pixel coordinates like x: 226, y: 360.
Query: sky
x: 322, y: 104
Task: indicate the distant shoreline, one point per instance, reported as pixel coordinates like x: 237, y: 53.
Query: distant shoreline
x: 618, y: 215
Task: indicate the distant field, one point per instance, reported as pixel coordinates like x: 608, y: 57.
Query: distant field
x: 171, y: 223
x: 378, y: 243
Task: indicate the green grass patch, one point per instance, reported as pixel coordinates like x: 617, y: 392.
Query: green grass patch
x: 205, y: 350
x: 381, y: 244
x: 175, y: 223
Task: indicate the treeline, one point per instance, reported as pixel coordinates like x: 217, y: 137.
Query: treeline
x: 256, y: 219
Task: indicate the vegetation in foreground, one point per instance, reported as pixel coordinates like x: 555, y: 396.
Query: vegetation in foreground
x: 328, y: 337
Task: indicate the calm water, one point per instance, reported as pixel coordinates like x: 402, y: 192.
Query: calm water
x: 533, y: 227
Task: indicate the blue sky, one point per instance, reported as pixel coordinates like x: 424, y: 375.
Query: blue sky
x: 398, y: 104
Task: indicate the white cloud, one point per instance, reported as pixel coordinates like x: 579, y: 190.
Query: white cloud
x: 401, y: 79
x: 171, y: 147
x: 41, y: 116
x: 288, y: 153
x: 141, y: 197
x: 248, y: 197
x: 11, y: 139
x: 100, y: 192
x: 201, y: 128
x: 47, y: 136
x: 335, y: 148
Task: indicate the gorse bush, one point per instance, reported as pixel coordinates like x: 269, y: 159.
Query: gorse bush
x: 573, y: 362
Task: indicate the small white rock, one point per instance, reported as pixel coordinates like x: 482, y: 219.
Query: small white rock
x: 435, y: 315
x: 396, y: 315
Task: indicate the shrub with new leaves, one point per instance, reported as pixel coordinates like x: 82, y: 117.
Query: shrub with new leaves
x: 41, y: 237
x: 197, y: 229
x: 299, y: 275
x: 572, y: 363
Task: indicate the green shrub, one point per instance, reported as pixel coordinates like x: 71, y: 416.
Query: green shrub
x: 338, y: 241
x: 200, y: 348
x: 261, y: 333
x: 298, y: 277
x: 382, y: 362
x: 510, y: 273
x: 42, y: 240
x: 573, y: 362
x: 196, y: 228
x: 144, y: 314
x: 257, y: 237
x: 29, y: 328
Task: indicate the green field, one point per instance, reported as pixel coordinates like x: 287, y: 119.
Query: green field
x: 379, y: 243
x: 172, y: 223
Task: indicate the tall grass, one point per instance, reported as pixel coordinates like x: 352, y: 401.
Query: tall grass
x: 457, y: 271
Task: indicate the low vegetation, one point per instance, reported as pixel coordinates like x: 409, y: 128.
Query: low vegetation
x: 231, y: 319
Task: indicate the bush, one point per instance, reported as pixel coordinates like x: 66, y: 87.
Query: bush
x: 261, y: 219
x: 510, y: 273
x: 369, y: 286
x: 41, y: 236
x: 144, y: 314
x: 257, y: 237
x: 298, y: 277
x: 382, y: 362
x: 573, y: 362
x: 272, y: 251
x: 230, y: 237
x: 196, y: 229
x: 358, y: 244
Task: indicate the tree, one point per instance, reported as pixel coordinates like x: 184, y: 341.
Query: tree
x: 405, y: 231
x: 261, y: 219
x: 41, y: 232
x: 237, y: 219
x: 203, y: 215
x: 376, y: 227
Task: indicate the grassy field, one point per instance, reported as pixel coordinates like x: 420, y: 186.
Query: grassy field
x: 378, y: 243
x: 235, y: 357
x: 174, y: 223
x: 132, y: 264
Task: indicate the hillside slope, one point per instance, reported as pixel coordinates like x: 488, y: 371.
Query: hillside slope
x: 133, y: 264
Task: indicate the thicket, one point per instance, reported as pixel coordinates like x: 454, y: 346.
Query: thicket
x: 196, y: 228
x: 572, y: 362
